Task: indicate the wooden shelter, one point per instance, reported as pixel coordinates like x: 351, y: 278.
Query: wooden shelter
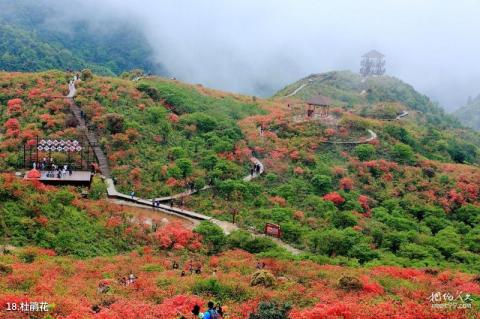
x: 320, y: 101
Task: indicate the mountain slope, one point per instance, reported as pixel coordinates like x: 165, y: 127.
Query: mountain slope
x: 469, y: 114
x: 348, y: 89
x: 28, y: 42
x: 349, y: 176
x: 361, y: 206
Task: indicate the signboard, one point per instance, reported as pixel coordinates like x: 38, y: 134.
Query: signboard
x: 273, y: 230
x: 59, y: 146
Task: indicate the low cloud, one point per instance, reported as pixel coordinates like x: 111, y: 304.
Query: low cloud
x: 257, y: 47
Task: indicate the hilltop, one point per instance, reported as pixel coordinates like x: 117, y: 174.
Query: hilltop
x: 360, y: 192
x: 350, y: 89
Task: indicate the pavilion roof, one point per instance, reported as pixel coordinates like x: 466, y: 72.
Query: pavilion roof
x: 373, y: 54
x: 320, y: 100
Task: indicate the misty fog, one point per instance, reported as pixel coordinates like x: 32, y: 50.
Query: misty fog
x: 257, y: 47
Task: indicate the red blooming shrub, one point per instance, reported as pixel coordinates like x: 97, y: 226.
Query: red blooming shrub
x: 12, y: 124
x: 298, y: 170
x: 298, y: 215
x: 295, y: 155
x: 329, y: 132
x: 346, y: 183
x: 278, y: 200
x: 371, y: 286
x: 14, y: 106
x: 335, y: 198
x: 175, y: 236
x: 173, y: 118
x: 114, y: 222
x: 364, y: 202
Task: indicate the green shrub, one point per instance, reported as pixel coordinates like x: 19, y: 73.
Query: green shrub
x: 271, y: 310
x: 364, y: 152
x: 86, y: 75
x: 5, y: 269
x: 98, y: 189
x: 322, y: 183
x: 403, y: 154
x: 213, y: 236
x: 263, y: 278
x: 28, y: 257
x: 349, y: 283
x: 244, y: 240
x: 221, y: 292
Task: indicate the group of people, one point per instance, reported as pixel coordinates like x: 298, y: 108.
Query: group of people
x: 213, y: 312
x: 53, y: 170
x: 197, y: 270
x: 57, y: 172
x: 155, y: 203
x: 261, y: 129
x: 260, y: 265
x: 104, y: 287
x: 126, y: 281
x: 255, y: 169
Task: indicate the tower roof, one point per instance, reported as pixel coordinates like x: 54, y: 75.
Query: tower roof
x: 374, y: 54
x: 320, y: 100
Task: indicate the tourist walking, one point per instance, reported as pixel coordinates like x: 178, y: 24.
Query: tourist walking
x: 196, y: 312
x: 211, y: 313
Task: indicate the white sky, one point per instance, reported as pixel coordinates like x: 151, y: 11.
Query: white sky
x: 250, y: 45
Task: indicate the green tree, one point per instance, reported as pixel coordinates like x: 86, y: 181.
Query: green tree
x: 98, y: 189
x: 364, y: 152
x: 86, y: 75
x: 292, y: 232
x: 322, y: 183
x: 403, y: 154
x: 114, y: 122
x: 343, y: 219
x: 462, y: 152
x: 363, y: 252
x: 468, y: 214
x: 447, y: 241
x: 212, y: 236
x: 334, y: 241
x: 185, y: 166
x: 472, y: 240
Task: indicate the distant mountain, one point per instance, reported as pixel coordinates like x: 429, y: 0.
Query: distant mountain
x: 348, y: 89
x: 469, y: 114
x: 28, y: 42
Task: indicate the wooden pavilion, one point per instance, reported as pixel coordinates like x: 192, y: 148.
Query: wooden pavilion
x: 321, y: 102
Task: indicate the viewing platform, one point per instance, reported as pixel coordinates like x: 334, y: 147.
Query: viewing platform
x: 77, y: 178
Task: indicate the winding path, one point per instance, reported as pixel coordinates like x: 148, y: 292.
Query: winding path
x: 297, y: 90
x: 247, y: 178
x: 403, y: 114
x: 373, y: 135
x: 124, y: 199
x: 397, y: 118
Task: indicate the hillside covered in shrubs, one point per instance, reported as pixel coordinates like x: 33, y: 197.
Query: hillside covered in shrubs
x: 385, y: 211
